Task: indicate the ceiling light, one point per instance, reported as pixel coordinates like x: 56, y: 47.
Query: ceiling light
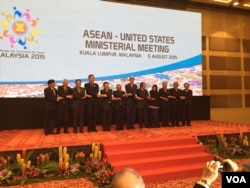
x: 223, y: 1
x: 246, y: 4
x: 236, y: 3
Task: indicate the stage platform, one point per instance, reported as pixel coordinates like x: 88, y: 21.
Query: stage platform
x: 11, y: 140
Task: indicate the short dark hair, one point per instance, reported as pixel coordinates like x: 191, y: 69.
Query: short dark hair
x: 105, y: 83
x: 78, y: 80
x: 155, y: 86
x: 90, y: 75
x: 141, y: 84
x: 50, y: 81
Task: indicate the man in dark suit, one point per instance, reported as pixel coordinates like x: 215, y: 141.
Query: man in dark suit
x: 164, y: 104
x: 92, y: 90
x: 174, y: 96
x: 142, y: 105
x: 131, y: 90
x: 119, y: 106
x: 50, y: 107
x: 64, y: 100
x: 106, y: 95
x: 186, y: 100
x: 78, y: 105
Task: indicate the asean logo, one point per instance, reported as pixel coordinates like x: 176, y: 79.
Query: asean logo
x: 19, y: 28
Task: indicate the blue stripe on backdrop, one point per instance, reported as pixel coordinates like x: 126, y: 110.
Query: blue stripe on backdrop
x: 196, y: 60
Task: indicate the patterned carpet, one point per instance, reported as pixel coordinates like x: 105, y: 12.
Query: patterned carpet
x: 85, y: 183
x: 35, y: 138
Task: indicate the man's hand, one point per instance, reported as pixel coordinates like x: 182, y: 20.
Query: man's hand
x: 59, y: 98
x: 182, y: 97
x: 233, y: 166
x: 210, y: 172
x: 69, y: 97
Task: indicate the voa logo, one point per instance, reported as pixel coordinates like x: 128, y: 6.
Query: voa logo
x: 236, y: 179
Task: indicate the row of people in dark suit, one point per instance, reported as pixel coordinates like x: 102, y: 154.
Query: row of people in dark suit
x: 165, y: 105
x: 60, y: 101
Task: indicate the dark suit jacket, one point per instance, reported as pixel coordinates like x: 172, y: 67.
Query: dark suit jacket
x: 77, y: 97
x: 130, y: 89
x: 188, y: 94
x: 165, y: 94
x: 63, y: 93
x: 143, y: 94
x: 50, y: 99
x: 92, y: 90
x: 106, y: 101
x: 176, y: 93
x: 119, y: 104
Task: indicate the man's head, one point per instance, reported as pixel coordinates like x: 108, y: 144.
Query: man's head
x: 186, y: 86
x: 51, y: 83
x: 118, y: 87
x: 105, y: 85
x: 127, y: 178
x: 78, y: 83
x: 131, y: 80
x: 65, y: 83
x: 165, y: 84
x: 176, y: 84
x: 91, y: 78
x: 142, y: 85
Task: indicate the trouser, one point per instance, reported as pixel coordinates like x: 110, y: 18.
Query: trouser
x: 92, y: 115
x: 130, y: 113
x: 49, y: 121
x: 106, y: 118
x: 143, y: 116
x: 176, y: 112
x: 119, y: 118
x: 78, y: 114
x: 165, y: 113
x: 186, y: 114
x: 63, y: 116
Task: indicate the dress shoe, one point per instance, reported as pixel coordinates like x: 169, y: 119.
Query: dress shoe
x: 51, y: 132
x: 66, y: 132
x: 81, y: 131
